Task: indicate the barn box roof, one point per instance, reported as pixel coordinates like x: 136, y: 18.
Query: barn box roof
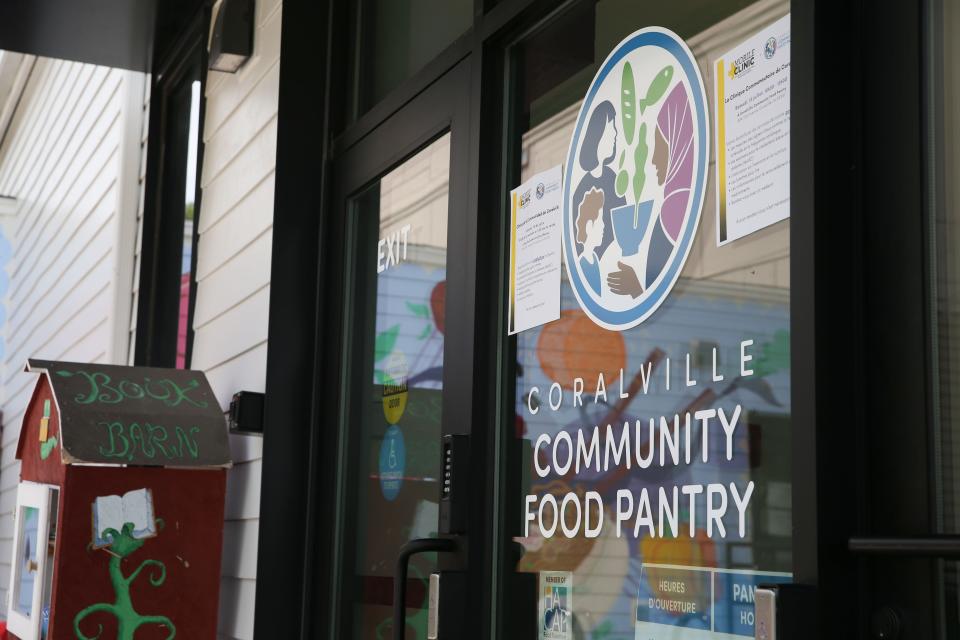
x: 148, y: 416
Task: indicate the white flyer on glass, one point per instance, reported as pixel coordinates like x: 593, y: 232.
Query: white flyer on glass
x: 752, y: 93
x: 535, y: 251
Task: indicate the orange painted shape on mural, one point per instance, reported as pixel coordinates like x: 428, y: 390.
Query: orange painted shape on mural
x: 575, y: 347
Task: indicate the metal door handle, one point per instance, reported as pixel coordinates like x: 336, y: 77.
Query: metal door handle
x: 421, y: 545
x: 920, y: 546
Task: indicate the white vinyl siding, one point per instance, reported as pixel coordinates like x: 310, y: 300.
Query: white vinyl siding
x: 233, y: 284
x: 67, y: 162
x: 138, y: 243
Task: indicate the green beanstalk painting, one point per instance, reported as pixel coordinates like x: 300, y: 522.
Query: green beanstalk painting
x: 128, y: 619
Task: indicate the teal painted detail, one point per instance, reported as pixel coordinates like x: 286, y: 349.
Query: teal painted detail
x: 152, y: 440
x: 104, y: 390
x: 46, y: 448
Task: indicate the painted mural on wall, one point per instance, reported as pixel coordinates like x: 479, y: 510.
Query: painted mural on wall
x: 408, y: 367
x: 622, y: 564
x: 411, y: 322
x: 653, y: 417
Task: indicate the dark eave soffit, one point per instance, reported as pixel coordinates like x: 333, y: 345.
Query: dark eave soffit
x: 113, y: 33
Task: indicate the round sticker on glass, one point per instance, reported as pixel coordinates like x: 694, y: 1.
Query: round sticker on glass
x: 635, y: 178
x: 393, y: 458
x: 395, y: 390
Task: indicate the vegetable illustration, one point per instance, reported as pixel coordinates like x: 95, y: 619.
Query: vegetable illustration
x: 623, y: 179
x: 628, y: 102
x: 628, y: 119
x: 639, y: 162
x: 658, y: 87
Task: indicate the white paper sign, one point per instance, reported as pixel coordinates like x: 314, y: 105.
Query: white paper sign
x: 752, y: 94
x: 535, y: 251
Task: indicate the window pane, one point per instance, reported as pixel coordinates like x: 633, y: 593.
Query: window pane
x: 186, y: 261
x: 393, y: 384
x: 398, y: 37
x: 948, y: 275
x: 945, y: 200
x: 27, y: 562
x: 724, y: 296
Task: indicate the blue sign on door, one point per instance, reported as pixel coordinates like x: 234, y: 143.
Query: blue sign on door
x: 393, y: 457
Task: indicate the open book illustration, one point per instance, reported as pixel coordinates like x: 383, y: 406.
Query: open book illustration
x: 112, y: 512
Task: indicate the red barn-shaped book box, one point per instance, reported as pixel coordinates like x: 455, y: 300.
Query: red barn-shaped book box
x: 119, y: 519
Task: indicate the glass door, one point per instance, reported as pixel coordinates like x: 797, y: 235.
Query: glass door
x: 648, y: 457
x: 713, y: 415
x: 908, y: 545
x: 944, y: 129
x: 399, y: 246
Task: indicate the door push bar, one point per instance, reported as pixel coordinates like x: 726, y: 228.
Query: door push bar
x: 422, y: 545
x: 920, y: 546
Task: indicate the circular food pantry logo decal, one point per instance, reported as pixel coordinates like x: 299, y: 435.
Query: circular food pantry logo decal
x: 635, y: 178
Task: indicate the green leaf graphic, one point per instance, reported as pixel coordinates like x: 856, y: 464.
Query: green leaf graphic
x: 623, y: 180
x: 774, y: 355
x: 658, y: 87
x: 419, y: 310
x: 46, y: 448
x: 384, y: 343
x: 639, y: 163
x: 628, y: 103
x: 65, y: 374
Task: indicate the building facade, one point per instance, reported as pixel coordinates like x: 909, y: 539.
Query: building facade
x: 723, y: 417
x: 74, y: 167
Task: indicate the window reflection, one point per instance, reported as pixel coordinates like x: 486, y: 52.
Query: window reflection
x: 946, y: 285
x: 724, y: 296
x: 28, y: 564
x: 394, y: 385
x: 398, y: 37
x: 186, y: 260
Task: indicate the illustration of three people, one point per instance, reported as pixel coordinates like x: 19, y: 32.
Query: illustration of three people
x: 627, y: 267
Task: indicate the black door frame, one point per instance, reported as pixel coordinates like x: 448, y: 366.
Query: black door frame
x: 830, y: 265
x: 442, y: 107
x: 163, y: 212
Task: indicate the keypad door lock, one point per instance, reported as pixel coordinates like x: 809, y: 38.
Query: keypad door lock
x: 455, y: 487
